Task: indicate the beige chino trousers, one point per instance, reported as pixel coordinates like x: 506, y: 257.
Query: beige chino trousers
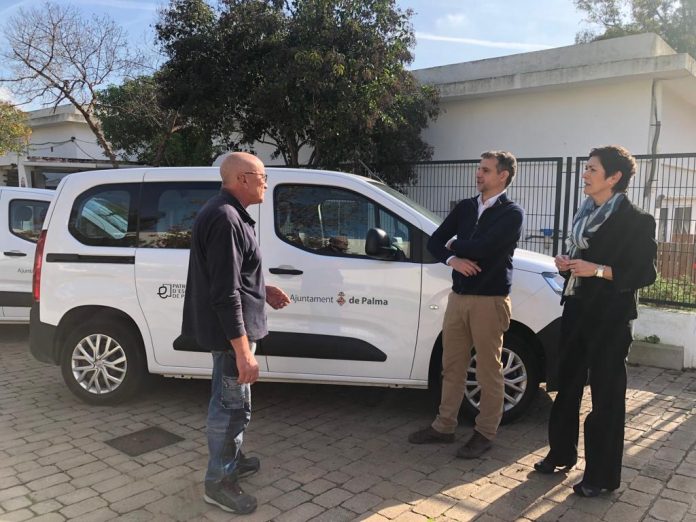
x: 480, y: 321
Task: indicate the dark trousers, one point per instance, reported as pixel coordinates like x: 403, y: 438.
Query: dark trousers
x: 590, y: 346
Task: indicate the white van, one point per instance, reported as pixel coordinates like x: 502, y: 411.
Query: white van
x: 22, y: 212
x: 367, y: 299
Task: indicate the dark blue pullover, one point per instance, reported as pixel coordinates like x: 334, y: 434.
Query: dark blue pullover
x: 490, y: 241
x: 225, y: 291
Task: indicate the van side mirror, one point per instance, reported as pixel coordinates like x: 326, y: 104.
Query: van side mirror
x: 378, y: 245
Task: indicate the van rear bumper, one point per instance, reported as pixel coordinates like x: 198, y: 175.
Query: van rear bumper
x: 42, y: 338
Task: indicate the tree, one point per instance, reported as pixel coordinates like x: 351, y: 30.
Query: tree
x: 14, y: 131
x: 135, y: 122
x: 325, y: 76
x: 56, y: 55
x: 673, y: 20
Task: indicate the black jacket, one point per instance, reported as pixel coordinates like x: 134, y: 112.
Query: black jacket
x: 225, y: 290
x: 490, y: 241
x: 626, y: 243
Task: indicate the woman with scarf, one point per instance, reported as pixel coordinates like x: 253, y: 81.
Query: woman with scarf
x: 611, y: 254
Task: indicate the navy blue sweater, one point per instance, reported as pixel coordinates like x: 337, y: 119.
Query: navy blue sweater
x: 225, y: 291
x: 490, y: 241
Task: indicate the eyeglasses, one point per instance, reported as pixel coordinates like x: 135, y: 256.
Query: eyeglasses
x: 264, y: 176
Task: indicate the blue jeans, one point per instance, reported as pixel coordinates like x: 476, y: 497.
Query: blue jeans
x: 228, y: 416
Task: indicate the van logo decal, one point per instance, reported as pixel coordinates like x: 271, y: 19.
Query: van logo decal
x: 341, y: 299
x: 173, y: 290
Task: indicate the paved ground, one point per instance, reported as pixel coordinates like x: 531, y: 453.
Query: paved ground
x: 328, y: 453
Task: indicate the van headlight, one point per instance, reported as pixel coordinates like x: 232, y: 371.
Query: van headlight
x: 555, y: 281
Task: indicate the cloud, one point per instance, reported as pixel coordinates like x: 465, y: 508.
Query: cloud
x: 6, y: 95
x: 523, y: 46
x: 452, y: 21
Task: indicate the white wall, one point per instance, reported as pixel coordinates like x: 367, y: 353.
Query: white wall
x: 678, y: 123
x: 44, y: 142
x: 564, y: 121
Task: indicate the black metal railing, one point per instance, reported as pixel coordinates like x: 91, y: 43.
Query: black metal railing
x: 550, y: 191
x: 442, y: 184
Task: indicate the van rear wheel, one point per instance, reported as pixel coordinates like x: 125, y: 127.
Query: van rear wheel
x: 102, y: 363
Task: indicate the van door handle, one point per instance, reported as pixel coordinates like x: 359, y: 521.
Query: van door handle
x: 288, y: 271
x: 15, y: 253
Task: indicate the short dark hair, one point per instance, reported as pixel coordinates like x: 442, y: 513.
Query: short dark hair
x: 615, y: 158
x: 506, y: 161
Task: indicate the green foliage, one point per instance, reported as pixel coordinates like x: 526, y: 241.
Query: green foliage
x: 325, y: 76
x: 135, y: 122
x: 14, y: 131
x: 675, y: 290
x: 673, y: 20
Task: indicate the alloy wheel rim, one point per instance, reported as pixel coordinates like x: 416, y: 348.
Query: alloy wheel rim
x: 99, y: 364
x: 514, y: 374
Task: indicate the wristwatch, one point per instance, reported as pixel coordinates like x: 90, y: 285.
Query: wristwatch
x: 599, y: 271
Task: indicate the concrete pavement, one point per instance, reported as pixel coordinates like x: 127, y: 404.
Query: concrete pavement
x: 329, y: 453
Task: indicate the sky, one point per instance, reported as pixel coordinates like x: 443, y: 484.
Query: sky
x: 447, y: 31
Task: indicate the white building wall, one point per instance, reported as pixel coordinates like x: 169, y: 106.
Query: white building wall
x: 678, y: 123
x: 553, y: 122
x: 55, y: 142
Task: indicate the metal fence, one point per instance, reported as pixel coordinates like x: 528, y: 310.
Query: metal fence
x: 537, y: 188
x: 550, y: 190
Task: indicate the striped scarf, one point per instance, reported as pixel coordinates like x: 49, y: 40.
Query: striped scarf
x: 585, y: 223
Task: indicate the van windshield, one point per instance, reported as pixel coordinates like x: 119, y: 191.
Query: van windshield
x: 405, y: 199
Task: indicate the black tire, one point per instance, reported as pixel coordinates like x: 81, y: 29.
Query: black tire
x: 103, y: 380
x: 521, y: 369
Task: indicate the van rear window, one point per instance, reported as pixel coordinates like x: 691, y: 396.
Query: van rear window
x: 104, y: 216
x: 167, y: 212
x: 26, y: 218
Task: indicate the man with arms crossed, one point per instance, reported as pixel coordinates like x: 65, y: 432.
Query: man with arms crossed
x: 477, y: 239
x: 224, y: 312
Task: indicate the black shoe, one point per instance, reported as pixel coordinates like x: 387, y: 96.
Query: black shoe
x: 247, y: 465
x: 585, y: 490
x: 547, y: 467
x: 229, y: 496
x: 430, y: 435
x: 476, y: 446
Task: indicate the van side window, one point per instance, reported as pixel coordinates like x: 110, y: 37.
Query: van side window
x: 105, y: 216
x: 26, y: 218
x: 167, y: 211
x: 334, y: 222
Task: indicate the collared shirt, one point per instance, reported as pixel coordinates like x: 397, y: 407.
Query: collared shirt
x: 488, y: 203
x: 225, y: 291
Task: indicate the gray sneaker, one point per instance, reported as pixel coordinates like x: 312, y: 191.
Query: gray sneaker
x: 229, y: 496
x: 247, y: 465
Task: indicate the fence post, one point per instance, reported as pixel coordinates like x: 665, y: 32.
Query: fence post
x: 566, y: 201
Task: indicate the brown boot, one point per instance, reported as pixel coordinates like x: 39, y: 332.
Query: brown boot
x: 476, y: 446
x: 430, y: 435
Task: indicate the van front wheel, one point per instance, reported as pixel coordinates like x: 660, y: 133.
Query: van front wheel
x: 102, y: 363
x: 521, y: 376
